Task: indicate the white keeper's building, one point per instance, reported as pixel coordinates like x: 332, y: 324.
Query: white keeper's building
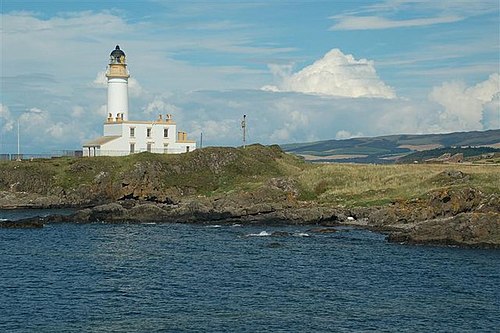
x: 122, y: 136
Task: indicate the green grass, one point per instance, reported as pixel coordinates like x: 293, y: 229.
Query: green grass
x: 368, y: 185
x: 217, y: 171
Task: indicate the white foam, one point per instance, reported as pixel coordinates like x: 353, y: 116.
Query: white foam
x: 214, y: 226
x: 301, y: 234
x: 260, y: 234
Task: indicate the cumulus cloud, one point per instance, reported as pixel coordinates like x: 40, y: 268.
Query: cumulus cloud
x: 336, y: 74
x: 491, y: 113
x: 100, y: 80
x: 467, y: 108
x: 6, y: 118
x: 158, y: 105
x: 135, y: 89
x: 294, y: 122
x: 216, y: 132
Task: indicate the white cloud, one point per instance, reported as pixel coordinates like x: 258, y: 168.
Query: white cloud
x: 6, y: 118
x: 158, y: 106
x: 100, y: 80
x: 336, y: 74
x: 294, y: 121
x: 59, y: 130
x: 416, y: 12
x: 101, y: 112
x: 375, y: 22
x: 491, y: 113
x: 216, y: 132
x: 134, y: 87
x: 343, y: 134
x: 464, y: 106
x: 77, y: 111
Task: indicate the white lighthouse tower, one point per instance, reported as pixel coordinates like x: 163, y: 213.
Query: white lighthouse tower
x: 117, y: 75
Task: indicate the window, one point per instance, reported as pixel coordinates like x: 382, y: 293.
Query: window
x: 148, y: 132
x: 187, y: 149
x: 132, y: 148
x: 148, y: 147
x: 165, y: 148
x: 165, y: 132
x: 132, y: 132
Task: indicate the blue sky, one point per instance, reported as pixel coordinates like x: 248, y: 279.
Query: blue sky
x: 300, y: 70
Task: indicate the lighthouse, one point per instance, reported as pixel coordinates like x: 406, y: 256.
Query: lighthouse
x: 122, y: 136
x: 117, y: 75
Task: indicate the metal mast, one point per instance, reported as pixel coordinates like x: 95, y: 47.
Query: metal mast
x: 244, y: 128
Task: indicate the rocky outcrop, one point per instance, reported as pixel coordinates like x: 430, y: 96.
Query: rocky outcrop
x: 23, y: 224
x: 204, y: 210
x: 464, y: 229
x: 463, y: 217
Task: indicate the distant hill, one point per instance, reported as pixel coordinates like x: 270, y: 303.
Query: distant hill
x: 391, y: 148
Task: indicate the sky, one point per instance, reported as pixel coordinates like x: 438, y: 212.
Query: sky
x: 299, y: 70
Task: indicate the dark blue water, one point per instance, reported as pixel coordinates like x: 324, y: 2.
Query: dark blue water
x: 193, y: 278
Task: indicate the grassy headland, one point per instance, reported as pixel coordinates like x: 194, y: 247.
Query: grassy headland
x: 221, y: 171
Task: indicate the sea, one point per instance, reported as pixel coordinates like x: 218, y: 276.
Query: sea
x: 232, y: 278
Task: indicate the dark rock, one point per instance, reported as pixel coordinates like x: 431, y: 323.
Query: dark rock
x: 464, y: 229
x: 34, y: 222
x: 107, y: 212
x: 280, y: 234
x: 147, y: 213
x: 274, y: 245
x: 324, y: 230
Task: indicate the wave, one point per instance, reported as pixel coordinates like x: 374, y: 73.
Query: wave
x: 279, y: 234
x: 260, y: 234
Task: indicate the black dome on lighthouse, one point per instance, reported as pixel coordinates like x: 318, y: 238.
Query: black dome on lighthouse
x: 117, y: 53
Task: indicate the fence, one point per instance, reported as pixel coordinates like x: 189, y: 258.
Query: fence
x: 62, y: 153
x: 80, y: 153
x: 98, y: 152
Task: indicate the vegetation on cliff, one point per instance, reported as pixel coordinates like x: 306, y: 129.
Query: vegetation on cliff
x: 218, y: 171
x: 149, y: 176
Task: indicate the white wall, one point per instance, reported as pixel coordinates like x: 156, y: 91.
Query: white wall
x: 121, y: 146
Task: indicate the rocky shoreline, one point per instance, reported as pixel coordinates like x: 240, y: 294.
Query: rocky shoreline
x: 463, y: 217
x: 260, y: 185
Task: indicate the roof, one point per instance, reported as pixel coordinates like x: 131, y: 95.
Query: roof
x: 97, y: 142
x: 117, y: 53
